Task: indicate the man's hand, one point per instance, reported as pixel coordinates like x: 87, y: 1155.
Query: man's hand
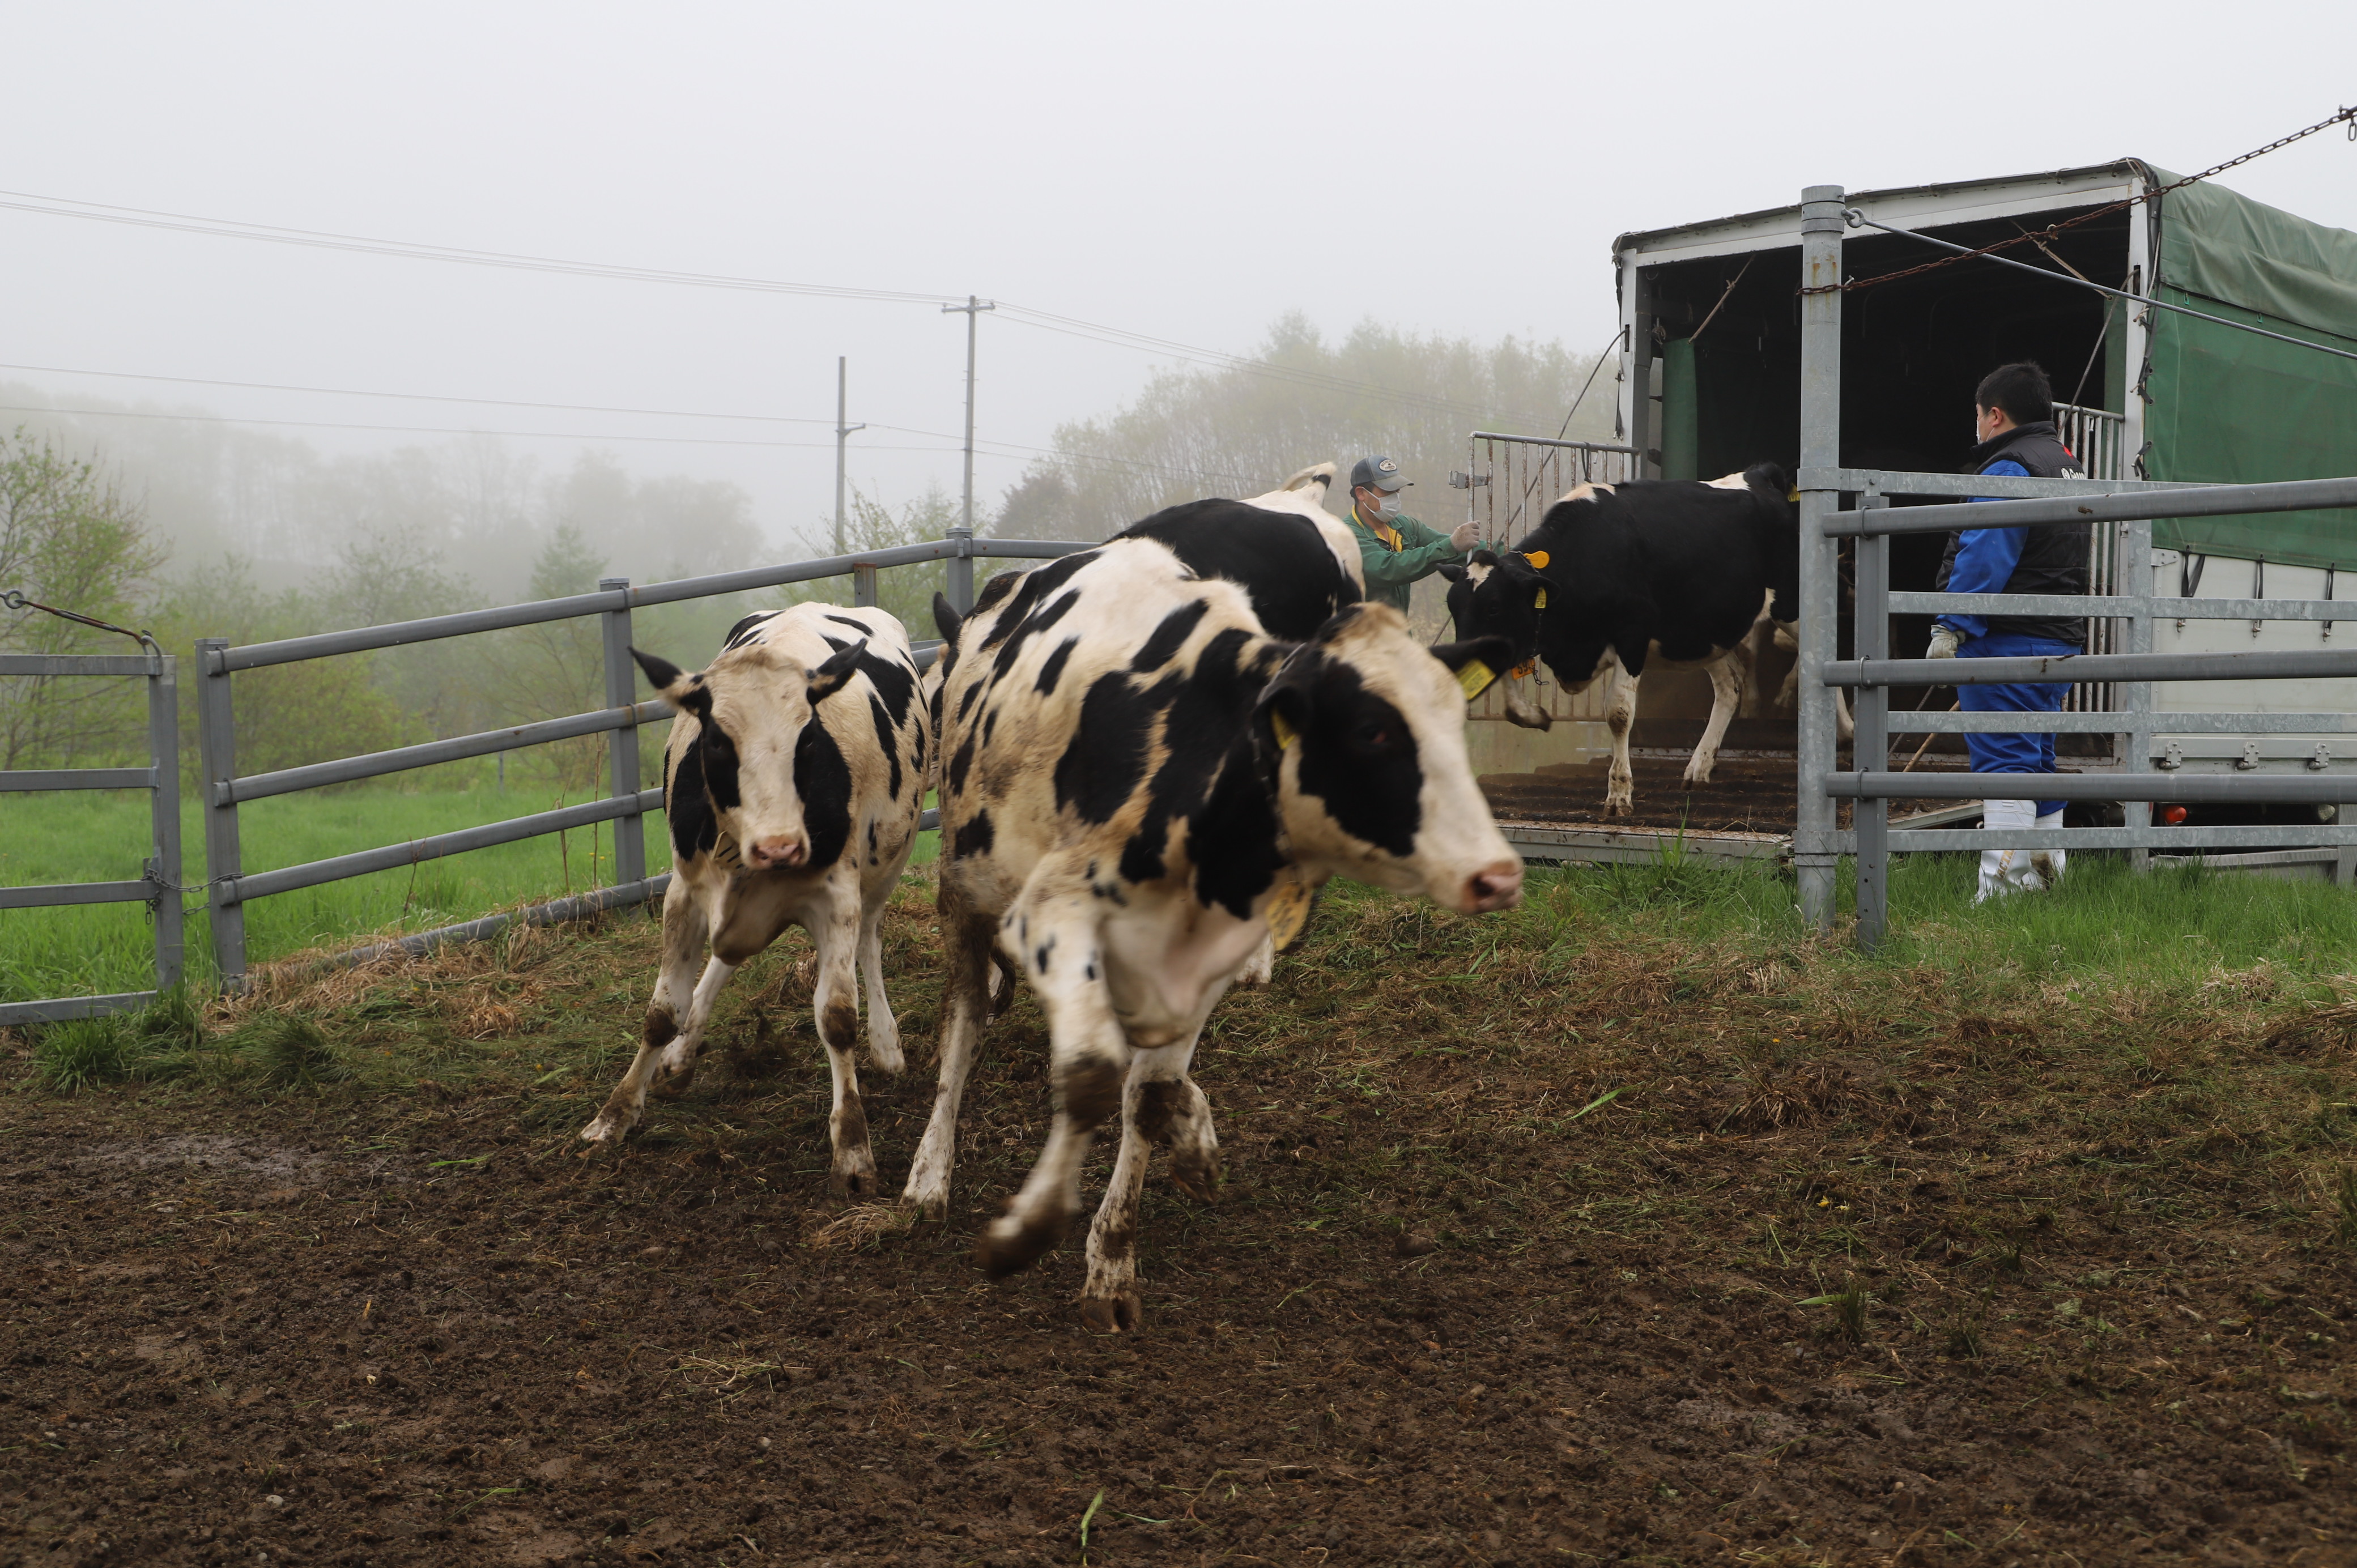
x: 1464, y: 537
x: 1944, y: 643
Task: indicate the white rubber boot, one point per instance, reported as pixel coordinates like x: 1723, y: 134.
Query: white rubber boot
x: 2049, y: 863
x: 2007, y: 870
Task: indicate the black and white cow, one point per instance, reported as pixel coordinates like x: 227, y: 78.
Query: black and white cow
x: 1616, y: 579
x: 1297, y: 562
x: 1134, y: 776
x: 793, y: 779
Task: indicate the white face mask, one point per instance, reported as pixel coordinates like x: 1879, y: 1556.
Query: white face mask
x: 1385, y: 508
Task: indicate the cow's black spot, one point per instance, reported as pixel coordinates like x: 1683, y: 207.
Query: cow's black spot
x: 960, y: 762
x: 822, y: 779
x: 861, y: 627
x: 1041, y: 954
x: 1053, y: 670
x: 1090, y: 1089
x: 888, y: 739
x: 743, y: 628
x: 1035, y: 623
x: 719, y: 754
x: 892, y: 679
x: 975, y: 836
x: 966, y: 700
x: 1177, y: 626
x: 1030, y: 588
x: 687, y: 806
x: 1359, y: 757
x: 1142, y: 857
x: 989, y: 726
x: 839, y: 1031
x: 1000, y: 584
x: 872, y: 854
x: 1106, y: 755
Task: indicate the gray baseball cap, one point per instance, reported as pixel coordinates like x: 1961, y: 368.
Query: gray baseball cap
x: 1377, y: 474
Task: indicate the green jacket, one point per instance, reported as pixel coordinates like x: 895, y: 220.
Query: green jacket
x: 1390, y: 572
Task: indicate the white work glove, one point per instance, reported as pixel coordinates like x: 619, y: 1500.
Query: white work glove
x: 1464, y: 537
x: 1944, y: 643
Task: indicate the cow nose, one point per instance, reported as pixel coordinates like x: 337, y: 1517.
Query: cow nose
x: 776, y: 850
x: 1497, y: 887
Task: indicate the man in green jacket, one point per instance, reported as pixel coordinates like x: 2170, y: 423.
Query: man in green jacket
x: 1394, y: 548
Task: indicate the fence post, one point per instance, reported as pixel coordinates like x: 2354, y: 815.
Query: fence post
x: 961, y: 570
x: 863, y: 585
x: 163, y: 871
x: 217, y: 767
x: 1814, y: 856
x: 2136, y: 544
x: 1870, y: 750
x: 622, y: 745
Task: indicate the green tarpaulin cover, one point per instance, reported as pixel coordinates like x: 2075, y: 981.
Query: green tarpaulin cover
x: 2227, y: 407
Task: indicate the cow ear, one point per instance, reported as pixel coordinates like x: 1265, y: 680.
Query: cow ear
x: 945, y: 617
x: 1476, y: 662
x: 1285, y: 704
x: 828, y: 678
x: 1452, y: 571
x: 684, y: 692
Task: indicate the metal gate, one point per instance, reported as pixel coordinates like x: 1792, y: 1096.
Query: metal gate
x: 1508, y: 484
x: 158, y: 884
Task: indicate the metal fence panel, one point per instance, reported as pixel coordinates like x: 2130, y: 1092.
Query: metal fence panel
x: 158, y: 886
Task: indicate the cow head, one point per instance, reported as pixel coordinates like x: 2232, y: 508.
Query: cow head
x: 1497, y: 595
x: 752, y: 708
x: 1365, y: 729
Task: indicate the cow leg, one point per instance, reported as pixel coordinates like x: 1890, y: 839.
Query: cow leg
x: 1728, y: 678
x: 1054, y: 935
x: 883, y: 1029
x: 1160, y: 1104
x: 965, y: 1011
x: 1261, y: 967
x: 675, y: 992
x: 1620, y: 794
x: 1521, y: 710
x: 1788, y: 639
x: 838, y: 938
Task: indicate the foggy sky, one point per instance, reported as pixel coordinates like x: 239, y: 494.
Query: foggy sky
x: 1190, y: 172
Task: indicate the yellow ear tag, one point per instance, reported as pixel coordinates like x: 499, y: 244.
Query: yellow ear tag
x: 1285, y: 734
x: 1795, y: 495
x: 1473, y: 678
x: 1537, y: 558
x: 1540, y: 602
x: 1288, y: 912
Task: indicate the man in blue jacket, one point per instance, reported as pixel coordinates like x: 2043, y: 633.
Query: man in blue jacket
x: 2014, y: 422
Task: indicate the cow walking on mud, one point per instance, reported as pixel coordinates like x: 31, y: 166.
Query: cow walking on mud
x: 793, y: 780
x: 1617, y: 579
x: 1135, y: 780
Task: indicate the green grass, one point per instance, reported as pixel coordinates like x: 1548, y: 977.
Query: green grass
x: 102, y: 835
x: 2183, y: 923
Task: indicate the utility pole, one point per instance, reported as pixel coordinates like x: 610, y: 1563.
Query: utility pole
x: 842, y: 434
x: 961, y: 585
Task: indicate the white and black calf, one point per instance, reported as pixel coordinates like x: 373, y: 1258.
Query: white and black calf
x: 793, y: 779
x: 1617, y: 579
x: 1134, y: 774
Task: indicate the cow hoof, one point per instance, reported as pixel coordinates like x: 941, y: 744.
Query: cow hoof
x: 670, y: 1086
x: 859, y: 1182
x: 1197, y: 1176
x: 604, y: 1130
x: 928, y: 1208
x: 1702, y: 778
x: 1120, y: 1314
x: 1008, y: 1247
x: 887, y: 1057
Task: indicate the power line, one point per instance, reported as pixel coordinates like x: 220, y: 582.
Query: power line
x: 1009, y: 451
x: 226, y: 228
x: 411, y: 397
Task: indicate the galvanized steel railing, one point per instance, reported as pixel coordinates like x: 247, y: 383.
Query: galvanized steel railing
x: 2129, y: 505
x: 158, y: 886
x: 230, y: 886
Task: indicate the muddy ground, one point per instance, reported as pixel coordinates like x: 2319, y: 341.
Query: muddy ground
x: 1450, y: 1309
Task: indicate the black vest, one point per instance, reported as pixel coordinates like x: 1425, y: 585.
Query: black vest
x: 2054, y: 555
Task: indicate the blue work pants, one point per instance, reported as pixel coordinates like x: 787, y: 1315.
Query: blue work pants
x: 2013, y: 753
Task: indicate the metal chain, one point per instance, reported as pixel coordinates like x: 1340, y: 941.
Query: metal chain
x: 2348, y: 115
x: 13, y: 600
